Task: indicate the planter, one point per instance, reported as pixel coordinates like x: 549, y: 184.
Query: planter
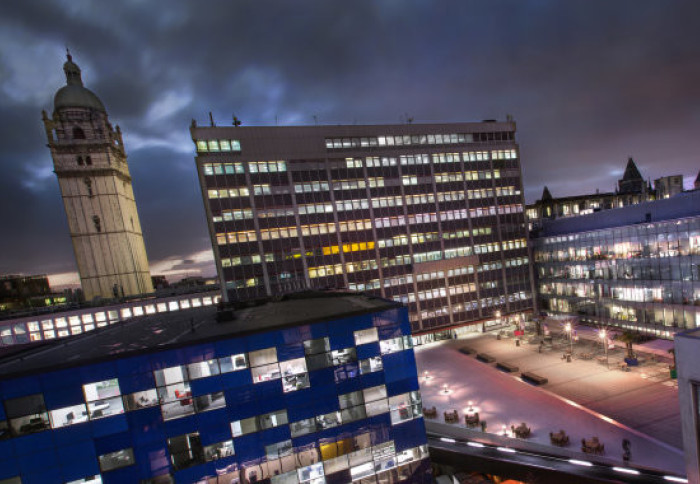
x: 632, y: 361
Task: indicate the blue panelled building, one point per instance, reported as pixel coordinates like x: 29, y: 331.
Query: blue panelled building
x: 316, y: 388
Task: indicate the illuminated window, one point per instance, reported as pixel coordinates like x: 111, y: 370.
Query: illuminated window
x: 103, y: 398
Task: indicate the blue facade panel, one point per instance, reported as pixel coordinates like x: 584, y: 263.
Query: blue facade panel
x: 139, y: 417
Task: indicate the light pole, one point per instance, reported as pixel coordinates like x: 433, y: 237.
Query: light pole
x: 571, y: 338
x: 604, y: 336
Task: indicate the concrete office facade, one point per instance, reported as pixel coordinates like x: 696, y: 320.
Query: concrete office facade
x: 332, y: 397
x: 427, y: 214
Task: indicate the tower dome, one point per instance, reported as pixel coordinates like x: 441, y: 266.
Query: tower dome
x: 74, y: 94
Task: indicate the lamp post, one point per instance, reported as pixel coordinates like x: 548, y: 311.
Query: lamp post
x: 571, y: 337
x: 604, y: 336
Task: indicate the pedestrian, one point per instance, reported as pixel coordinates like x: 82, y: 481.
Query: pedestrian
x: 627, y: 453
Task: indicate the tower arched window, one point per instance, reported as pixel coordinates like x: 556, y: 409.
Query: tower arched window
x: 98, y: 223
x: 78, y: 133
x: 80, y: 160
x: 88, y: 185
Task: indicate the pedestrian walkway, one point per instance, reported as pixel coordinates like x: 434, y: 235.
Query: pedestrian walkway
x: 583, y: 398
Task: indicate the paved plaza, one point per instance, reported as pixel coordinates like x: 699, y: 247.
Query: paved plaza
x: 583, y: 396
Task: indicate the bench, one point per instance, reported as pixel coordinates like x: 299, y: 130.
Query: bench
x: 430, y: 412
x: 485, y: 357
x: 533, y: 378
x: 507, y: 367
x: 559, y: 438
x: 451, y: 417
x: 471, y: 420
x: 467, y: 350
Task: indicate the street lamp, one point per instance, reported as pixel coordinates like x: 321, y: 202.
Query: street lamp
x: 571, y: 337
x: 604, y: 336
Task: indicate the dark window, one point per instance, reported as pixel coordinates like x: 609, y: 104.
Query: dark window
x: 78, y: 133
x: 88, y: 160
x: 80, y: 160
x: 27, y: 414
x: 116, y: 460
x: 88, y: 185
x: 97, y: 222
x: 186, y: 450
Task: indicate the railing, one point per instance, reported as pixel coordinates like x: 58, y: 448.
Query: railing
x: 49, y: 326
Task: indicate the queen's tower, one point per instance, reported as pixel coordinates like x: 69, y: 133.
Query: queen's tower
x: 90, y: 163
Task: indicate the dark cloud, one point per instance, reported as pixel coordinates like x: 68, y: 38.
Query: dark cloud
x: 589, y: 82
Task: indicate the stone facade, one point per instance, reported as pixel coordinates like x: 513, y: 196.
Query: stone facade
x: 93, y: 174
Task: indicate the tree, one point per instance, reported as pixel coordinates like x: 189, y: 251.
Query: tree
x: 629, y: 338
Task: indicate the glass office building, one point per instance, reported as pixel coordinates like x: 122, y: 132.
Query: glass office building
x: 429, y: 215
x: 310, y: 390
x: 636, y: 267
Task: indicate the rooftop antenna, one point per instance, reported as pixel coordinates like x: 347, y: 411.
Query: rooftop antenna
x: 211, y: 119
x: 236, y: 121
x: 276, y: 124
x: 315, y: 119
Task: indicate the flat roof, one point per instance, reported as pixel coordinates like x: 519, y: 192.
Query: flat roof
x: 182, y: 328
x: 690, y: 333
x: 682, y: 205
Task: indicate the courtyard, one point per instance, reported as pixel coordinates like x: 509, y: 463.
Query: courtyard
x: 584, y: 397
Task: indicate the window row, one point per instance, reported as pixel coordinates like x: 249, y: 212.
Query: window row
x: 215, y: 146
x: 228, y: 193
x: 372, y: 182
x: 399, y: 140
x: 466, y: 175
x: 337, y: 269
x: 420, y: 139
x: 284, y: 464
x: 172, y: 392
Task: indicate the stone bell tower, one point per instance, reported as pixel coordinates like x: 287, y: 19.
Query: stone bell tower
x: 90, y: 163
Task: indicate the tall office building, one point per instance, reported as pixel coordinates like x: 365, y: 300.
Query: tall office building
x: 427, y: 214
x: 90, y: 163
x: 315, y: 389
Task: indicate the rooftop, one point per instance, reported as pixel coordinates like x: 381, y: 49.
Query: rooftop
x: 686, y: 204
x: 172, y: 330
x: 691, y: 333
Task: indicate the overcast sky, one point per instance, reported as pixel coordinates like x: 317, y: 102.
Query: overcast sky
x: 589, y: 82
